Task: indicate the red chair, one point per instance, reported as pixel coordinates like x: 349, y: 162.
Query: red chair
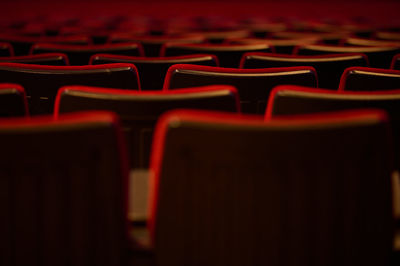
x: 52, y: 59
x: 396, y: 62
x: 80, y: 54
x: 295, y: 100
x: 369, y: 79
x: 229, y: 55
x: 6, y: 49
x: 379, y: 56
x: 152, y: 70
x: 280, y: 46
x: 222, y: 35
x: 253, y: 85
x: 13, y: 100
x: 388, y: 35
x: 139, y: 111
x: 329, y: 67
x: 64, y: 189
x: 42, y: 82
x: 152, y: 44
x: 229, y: 190
x: 369, y: 42
x: 22, y: 44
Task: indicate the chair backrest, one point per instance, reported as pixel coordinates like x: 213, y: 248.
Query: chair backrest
x: 42, y: 82
x: 230, y: 190
x: 139, y: 111
x: 263, y: 29
x: 6, y: 49
x: 63, y: 192
x: 229, y: 55
x: 329, y: 37
x: 329, y: 67
x: 253, y: 85
x: 152, y: 70
x: 13, y: 100
x: 395, y: 62
x: 80, y: 54
x: 51, y: 59
x: 378, y: 56
x: 369, y: 79
x: 23, y: 44
x: 280, y: 46
x: 294, y: 100
x: 388, y: 35
x: 152, y: 44
x: 222, y: 35
x: 354, y: 41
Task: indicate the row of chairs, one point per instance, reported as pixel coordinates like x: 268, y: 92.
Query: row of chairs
x: 229, y: 54
x: 225, y: 190
x: 254, y: 85
x: 213, y: 26
x: 139, y: 111
x: 292, y: 187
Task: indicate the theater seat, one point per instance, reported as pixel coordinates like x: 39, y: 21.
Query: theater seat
x: 222, y: 35
x: 329, y: 67
x: 152, y: 70
x: 396, y: 62
x: 353, y: 41
x: 80, y: 54
x: 253, y: 85
x: 51, y: 59
x: 388, y: 35
x: 230, y: 190
x: 280, y: 46
x: 22, y: 44
x: 152, y: 44
x: 13, y: 100
x: 63, y: 191
x: 139, y: 111
x: 228, y: 54
x: 42, y: 82
x: 369, y: 79
x: 378, y: 56
x: 294, y: 100
x: 6, y: 49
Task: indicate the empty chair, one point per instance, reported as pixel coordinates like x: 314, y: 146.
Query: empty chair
x: 332, y: 38
x: 253, y: 85
x: 42, y: 82
x: 80, y: 54
x: 369, y: 79
x: 388, y: 35
x: 379, y: 56
x: 152, y: 44
x: 222, y: 35
x: 228, y: 54
x: 6, y: 49
x: 329, y: 67
x: 396, y: 62
x: 293, y: 100
x: 23, y: 44
x: 139, y: 111
x: 12, y: 100
x: 229, y: 190
x: 281, y: 46
x: 152, y: 70
x: 369, y: 42
x: 263, y: 29
x: 51, y: 59
x: 63, y: 187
